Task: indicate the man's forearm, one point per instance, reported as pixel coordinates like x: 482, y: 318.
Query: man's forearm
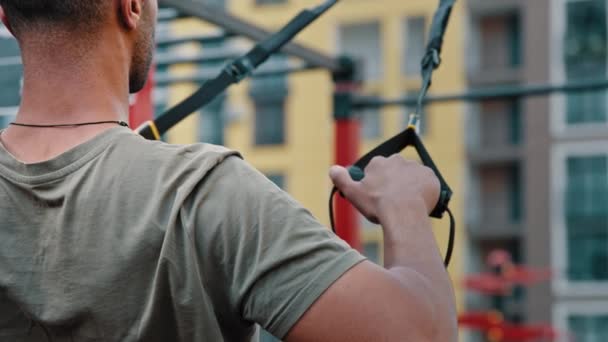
x: 412, y: 256
x: 409, y: 242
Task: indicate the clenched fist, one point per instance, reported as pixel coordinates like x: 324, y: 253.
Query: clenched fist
x: 390, y: 185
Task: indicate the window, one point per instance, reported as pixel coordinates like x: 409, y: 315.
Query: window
x: 212, y: 122
x: 588, y: 328
x: 11, y: 72
x: 501, y: 43
x: 501, y: 195
x: 584, y: 57
x: 516, y: 196
x: 415, y: 45
x: 587, y: 218
x: 221, y: 4
x: 363, y: 43
x: 211, y: 128
x: 500, y: 122
x: 516, y: 121
x: 278, y: 179
x: 269, y: 95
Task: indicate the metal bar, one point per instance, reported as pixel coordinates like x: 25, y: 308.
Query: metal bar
x: 200, y: 76
x: 361, y: 102
x: 211, y: 56
x: 141, y: 108
x: 10, y: 61
x: 347, y: 141
x: 8, y: 111
x: 166, y: 14
x: 241, y: 27
x: 198, y: 38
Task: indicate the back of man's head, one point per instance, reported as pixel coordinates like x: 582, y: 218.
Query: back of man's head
x: 70, y: 29
x: 28, y: 15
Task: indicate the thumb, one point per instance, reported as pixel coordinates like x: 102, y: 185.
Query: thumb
x: 341, y: 179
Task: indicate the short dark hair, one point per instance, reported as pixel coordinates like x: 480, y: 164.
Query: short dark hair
x: 23, y: 14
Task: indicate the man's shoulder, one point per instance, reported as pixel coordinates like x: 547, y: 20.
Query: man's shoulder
x: 166, y: 159
x: 137, y: 148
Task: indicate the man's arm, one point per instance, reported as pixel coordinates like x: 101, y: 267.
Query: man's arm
x: 411, y: 299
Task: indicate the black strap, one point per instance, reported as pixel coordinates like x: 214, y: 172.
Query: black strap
x: 203, y: 96
x: 432, y: 57
x: 233, y: 73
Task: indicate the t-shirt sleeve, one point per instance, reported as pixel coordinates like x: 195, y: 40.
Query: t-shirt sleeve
x: 269, y: 258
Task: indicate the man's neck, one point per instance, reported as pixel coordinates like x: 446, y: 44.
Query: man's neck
x: 74, y: 86
x: 60, y: 88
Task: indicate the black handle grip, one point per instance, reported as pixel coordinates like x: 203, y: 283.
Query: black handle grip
x: 356, y: 173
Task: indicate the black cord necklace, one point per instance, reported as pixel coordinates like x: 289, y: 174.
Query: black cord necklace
x: 121, y: 123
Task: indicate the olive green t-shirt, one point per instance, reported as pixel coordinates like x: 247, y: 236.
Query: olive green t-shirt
x: 123, y: 239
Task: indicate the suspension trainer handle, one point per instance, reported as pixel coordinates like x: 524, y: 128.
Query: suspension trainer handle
x: 395, y: 145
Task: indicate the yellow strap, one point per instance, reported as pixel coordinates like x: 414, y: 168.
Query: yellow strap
x: 154, y: 129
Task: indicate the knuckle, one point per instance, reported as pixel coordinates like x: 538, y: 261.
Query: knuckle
x: 409, y: 162
x: 396, y: 157
x: 377, y: 160
x: 429, y: 172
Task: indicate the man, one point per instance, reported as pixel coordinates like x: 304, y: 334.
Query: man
x: 107, y: 237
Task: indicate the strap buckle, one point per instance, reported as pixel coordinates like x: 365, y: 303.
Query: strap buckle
x: 431, y: 59
x: 240, y: 69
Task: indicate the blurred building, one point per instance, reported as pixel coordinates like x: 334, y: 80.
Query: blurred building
x: 495, y: 210
x: 283, y: 124
x: 539, y: 166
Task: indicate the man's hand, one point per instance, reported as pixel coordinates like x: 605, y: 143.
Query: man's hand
x: 390, y: 184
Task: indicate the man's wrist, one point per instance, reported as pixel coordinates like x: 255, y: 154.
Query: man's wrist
x: 397, y: 214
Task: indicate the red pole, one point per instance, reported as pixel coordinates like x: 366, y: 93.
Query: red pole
x: 142, y: 105
x: 347, y: 140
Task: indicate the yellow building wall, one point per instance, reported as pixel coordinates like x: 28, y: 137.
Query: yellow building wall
x: 309, y: 149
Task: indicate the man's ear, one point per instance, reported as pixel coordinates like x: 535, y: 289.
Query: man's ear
x: 4, y: 20
x: 131, y: 12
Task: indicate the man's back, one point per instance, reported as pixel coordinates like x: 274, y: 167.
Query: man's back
x: 124, y: 239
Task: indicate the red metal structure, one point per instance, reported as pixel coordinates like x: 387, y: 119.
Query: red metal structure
x: 501, y: 282
x: 497, y: 329
x: 347, y: 147
x: 142, y: 106
x: 347, y: 152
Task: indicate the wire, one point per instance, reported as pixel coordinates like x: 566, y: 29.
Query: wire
x: 448, y: 253
x: 121, y: 123
x: 451, y: 238
x: 332, y: 221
